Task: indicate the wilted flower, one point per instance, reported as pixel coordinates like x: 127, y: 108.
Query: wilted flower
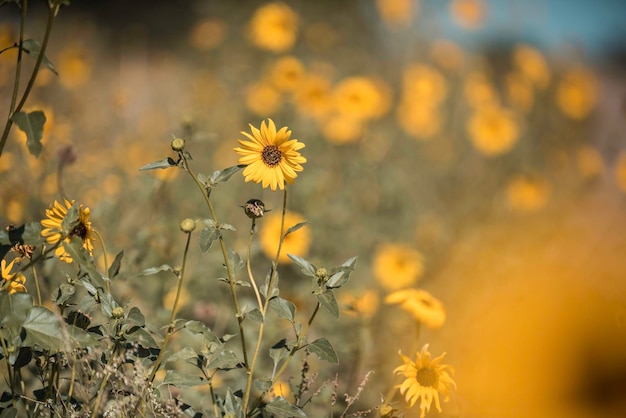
x: 426, y: 378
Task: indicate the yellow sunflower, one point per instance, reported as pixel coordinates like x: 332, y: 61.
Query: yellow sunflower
x: 493, y: 130
x: 423, y: 306
x: 271, y: 157
x: 364, y: 305
x: 296, y: 243
x: 397, y: 266
x: 54, y: 230
x: 426, y: 378
x: 274, y: 27
x: 12, y: 283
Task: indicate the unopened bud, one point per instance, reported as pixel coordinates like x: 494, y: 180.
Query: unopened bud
x: 117, y: 313
x: 178, y: 144
x: 187, y: 225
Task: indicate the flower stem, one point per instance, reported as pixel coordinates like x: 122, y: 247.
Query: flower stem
x: 250, y: 276
x: 53, y: 9
x: 34, y: 270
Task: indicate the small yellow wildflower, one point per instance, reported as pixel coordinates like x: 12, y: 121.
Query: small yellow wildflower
x: 274, y: 27
x: 271, y: 157
x: 493, y: 130
x: 577, y: 93
x: 423, y: 306
x: 11, y: 282
x: 53, y: 230
x: 426, y: 378
x: 397, y: 266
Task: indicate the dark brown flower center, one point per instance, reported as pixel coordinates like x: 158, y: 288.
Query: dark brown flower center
x: 427, y: 377
x: 80, y: 230
x: 271, y: 155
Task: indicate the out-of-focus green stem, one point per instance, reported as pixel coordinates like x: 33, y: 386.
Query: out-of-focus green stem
x: 106, y: 264
x: 53, y: 9
x: 34, y: 270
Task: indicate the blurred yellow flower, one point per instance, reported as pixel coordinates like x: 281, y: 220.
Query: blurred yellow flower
x: 53, y: 230
x: 520, y: 92
x: 313, y: 96
x: 364, y: 305
x: 271, y: 157
x: 420, y: 120
x: 296, y: 243
x: 469, y: 14
x: 396, y: 13
x: 446, y: 54
x: 208, y: 33
x: 361, y: 98
x: 342, y: 129
x: 170, y: 297
x: 287, y: 73
x: 426, y: 378
x: 526, y: 194
x: 397, y: 266
x: 531, y: 62
x: 479, y: 91
x: 493, y: 130
x: 11, y: 282
x: 274, y: 27
x: 6, y: 162
x: 423, y: 306
x: 589, y: 162
x: 74, y: 67
x: 423, y: 84
x: 14, y: 211
x: 620, y: 171
x: 263, y: 98
x: 576, y: 93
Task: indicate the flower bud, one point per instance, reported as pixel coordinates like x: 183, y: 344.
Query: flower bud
x: 254, y: 208
x: 187, y: 225
x: 117, y: 313
x: 177, y: 144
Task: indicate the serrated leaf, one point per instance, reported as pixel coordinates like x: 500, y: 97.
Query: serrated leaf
x: 223, y: 360
x: 296, y: 227
x: 32, y: 125
x: 255, y: 315
x: 280, y: 407
x: 323, y: 349
x: 221, y: 176
x: 33, y: 48
x: 43, y: 329
x: 184, y: 354
x: 308, y: 269
x: 235, y: 261
x: 115, y: 265
x: 207, y: 237
x: 328, y: 301
x: 279, y: 351
x: 161, y: 164
x: 182, y: 380
x: 155, y: 270
x: 283, y: 308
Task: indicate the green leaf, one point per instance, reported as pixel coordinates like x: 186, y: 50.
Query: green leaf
x: 115, y: 265
x: 235, y: 261
x: 197, y: 327
x: 43, y: 329
x: 280, y: 407
x: 324, y: 350
x: 328, y: 301
x: 283, y: 308
x: 279, y: 351
x: 222, y: 176
x: 32, y: 48
x: 263, y: 385
x: 14, y: 310
x: 296, y: 227
x: 206, y: 238
x: 308, y: 269
x: 255, y: 315
x: 32, y: 234
x: 135, y: 317
x: 32, y: 125
x: 339, y: 276
x: 155, y: 270
x: 63, y: 294
x: 4, y: 238
x: 185, y: 354
x: 182, y: 380
x: 71, y: 219
x: 8, y: 412
x: 223, y: 360
x: 161, y: 164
